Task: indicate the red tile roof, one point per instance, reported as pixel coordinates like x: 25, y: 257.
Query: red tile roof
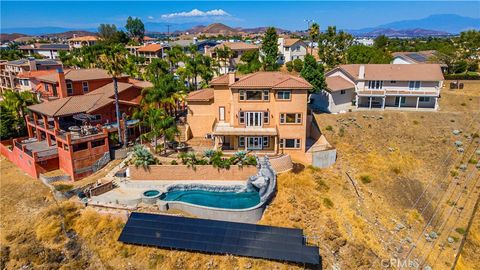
x: 150, y: 48
x: 201, y: 95
x: 275, y: 80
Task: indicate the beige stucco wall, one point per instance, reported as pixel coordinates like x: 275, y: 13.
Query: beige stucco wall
x: 202, y: 115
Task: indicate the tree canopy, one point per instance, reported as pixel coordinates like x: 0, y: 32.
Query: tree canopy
x: 250, y: 62
x: 135, y: 28
x: 332, y: 46
x: 270, y: 50
x: 361, y: 54
x: 313, y: 73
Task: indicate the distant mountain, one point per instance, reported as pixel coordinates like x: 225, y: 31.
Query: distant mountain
x: 10, y: 37
x: 389, y: 32
x: 214, y: 28
x: 262, y: 29
x: 70, y: 34
x: 434, y: 25
x: 441, y: 22
x: 37, y: 31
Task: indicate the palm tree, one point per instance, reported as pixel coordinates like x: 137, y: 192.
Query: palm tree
x: 314, y: 33
x: 161, y: 124
x: 225, y: 54
x: 18, y: 101
x: 113, y: 60
x: 166, y: 91
x: 174, y: 56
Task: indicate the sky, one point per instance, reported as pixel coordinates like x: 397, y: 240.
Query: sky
x: 289, y: 15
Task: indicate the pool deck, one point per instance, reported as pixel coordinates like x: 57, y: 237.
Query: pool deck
x: 129, y: 193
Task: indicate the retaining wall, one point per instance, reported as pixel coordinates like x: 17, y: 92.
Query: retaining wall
x: 182, y: 173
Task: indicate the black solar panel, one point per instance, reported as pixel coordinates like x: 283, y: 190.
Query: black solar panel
x: 213, y: 236
x: 417, y: 57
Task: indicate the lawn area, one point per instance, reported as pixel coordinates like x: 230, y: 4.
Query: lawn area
x: 389, y: 155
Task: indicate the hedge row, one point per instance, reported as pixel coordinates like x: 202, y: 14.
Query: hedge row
x: 462, y: 76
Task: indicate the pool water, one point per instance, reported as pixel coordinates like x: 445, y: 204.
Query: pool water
x: 151, y: 193
x: 229, y: 200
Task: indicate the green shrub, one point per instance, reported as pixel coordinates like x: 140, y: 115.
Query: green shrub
x: 396, y: 169
x: 454, y: 173
x: 298, y: 65
x: 366, y: 179
x: 472, y: 161
x: 63, y: 187
x: 463, y: 104
x: 174, y: 162
x: 329, y: 128
x: 415, y: 122
x: 289, y: 66
x: 460, y: 230
x: 341, y: 132
x: 327, y: 203
x: 467, y: 76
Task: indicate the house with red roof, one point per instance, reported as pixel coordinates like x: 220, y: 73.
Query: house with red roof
x: 263, y: 112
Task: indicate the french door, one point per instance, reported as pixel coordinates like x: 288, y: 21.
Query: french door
x: 254, y: 143
x: 254, y: 119
x: 400, y: 100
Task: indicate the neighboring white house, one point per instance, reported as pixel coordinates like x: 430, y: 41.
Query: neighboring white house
x: 420, y: 57
x: 381, y: 86
x: 291, y: 49
x: 49, y: 51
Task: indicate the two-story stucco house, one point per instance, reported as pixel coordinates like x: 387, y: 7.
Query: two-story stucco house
x: 382, y: 86
x: 290, y: 49
x: 262, y: 112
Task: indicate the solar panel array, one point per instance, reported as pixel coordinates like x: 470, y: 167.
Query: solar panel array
x: 221, y: 237
x: 417, y: 57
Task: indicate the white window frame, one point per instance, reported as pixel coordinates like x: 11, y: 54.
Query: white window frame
x: 69, y: 89
x: 425, y: 99
x: 375, y: 84
x: 85, y: 87
x: 283, y: 143
x: 241, y: 141
x: 283, y: 118
x: 266, y: 117
x: 266, y: 142
x: 241, y: 117
x: 281, y: 95
x: 414, y: 85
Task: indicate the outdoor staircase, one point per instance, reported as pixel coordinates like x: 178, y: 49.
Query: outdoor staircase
x: 182, y: 131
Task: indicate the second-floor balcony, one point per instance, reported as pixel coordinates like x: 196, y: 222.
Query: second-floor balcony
x: 391, y: 91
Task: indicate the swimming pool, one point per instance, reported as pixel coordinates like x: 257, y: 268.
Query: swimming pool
x: 228, y: 200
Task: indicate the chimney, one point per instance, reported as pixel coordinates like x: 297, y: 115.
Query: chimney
x: 32, y: 63
x: 62, y: 85
x: 231, y: 78
x: 361, y: 72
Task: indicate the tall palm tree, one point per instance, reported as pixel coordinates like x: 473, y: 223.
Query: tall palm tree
x: 314, y: 33
x: 113, y: 60
x: 166, y: 92
x: 174, y: 56
x: 161, y: 124
x: 18, y: 102
x: 225, y: 54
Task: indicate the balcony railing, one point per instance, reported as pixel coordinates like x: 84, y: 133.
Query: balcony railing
x: 393, y: 91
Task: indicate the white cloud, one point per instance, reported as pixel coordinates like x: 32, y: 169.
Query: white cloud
x: 196, y: 13
x: 150, y: 17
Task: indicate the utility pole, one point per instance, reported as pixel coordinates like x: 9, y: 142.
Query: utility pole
x: 168, y: 32
x: 309, y: 21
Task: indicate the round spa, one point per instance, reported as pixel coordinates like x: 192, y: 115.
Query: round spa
x: 151, y: 196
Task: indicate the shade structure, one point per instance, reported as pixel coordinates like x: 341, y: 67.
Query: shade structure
x: 219, y: 237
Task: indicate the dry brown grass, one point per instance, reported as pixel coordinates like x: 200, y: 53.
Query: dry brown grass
x: 398, y: 156
x: 470, y: 256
